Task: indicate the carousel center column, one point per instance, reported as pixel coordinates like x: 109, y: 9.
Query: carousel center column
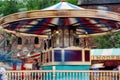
x: 62, y: 38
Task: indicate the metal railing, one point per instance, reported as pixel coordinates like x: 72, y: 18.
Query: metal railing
x: 62, y: 75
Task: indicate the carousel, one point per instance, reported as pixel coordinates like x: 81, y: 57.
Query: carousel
x: 57, y: 35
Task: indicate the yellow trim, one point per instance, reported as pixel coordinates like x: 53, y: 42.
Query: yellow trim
x: 23, y: 34
x: 105, y: 57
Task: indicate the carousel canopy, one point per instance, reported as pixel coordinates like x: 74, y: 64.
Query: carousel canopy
x: 63, y: 14
x: 62, y: 5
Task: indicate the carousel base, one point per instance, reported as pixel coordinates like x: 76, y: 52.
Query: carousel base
x: 57, y: 76
x: 66, y: 67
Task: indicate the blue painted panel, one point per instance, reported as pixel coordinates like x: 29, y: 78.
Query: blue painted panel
x: 73, y: 55
x: 58, y: 55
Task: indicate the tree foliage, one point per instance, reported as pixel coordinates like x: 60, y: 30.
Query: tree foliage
x: 108, y: 41
x: 9, y: 7
x: 13, y: 6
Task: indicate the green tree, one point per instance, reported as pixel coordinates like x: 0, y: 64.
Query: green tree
x: 72, y: 1
x: 10, y: 7
x: 1, y: 7
x: 40, y: 4
x: 108, y: 41
x: 32, y: 4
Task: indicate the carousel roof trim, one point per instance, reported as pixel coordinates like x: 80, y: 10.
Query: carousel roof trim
x: 90, y: 13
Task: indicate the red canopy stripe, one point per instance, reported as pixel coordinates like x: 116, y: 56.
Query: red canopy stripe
x: 90, y: 25
x: 67, y: 21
